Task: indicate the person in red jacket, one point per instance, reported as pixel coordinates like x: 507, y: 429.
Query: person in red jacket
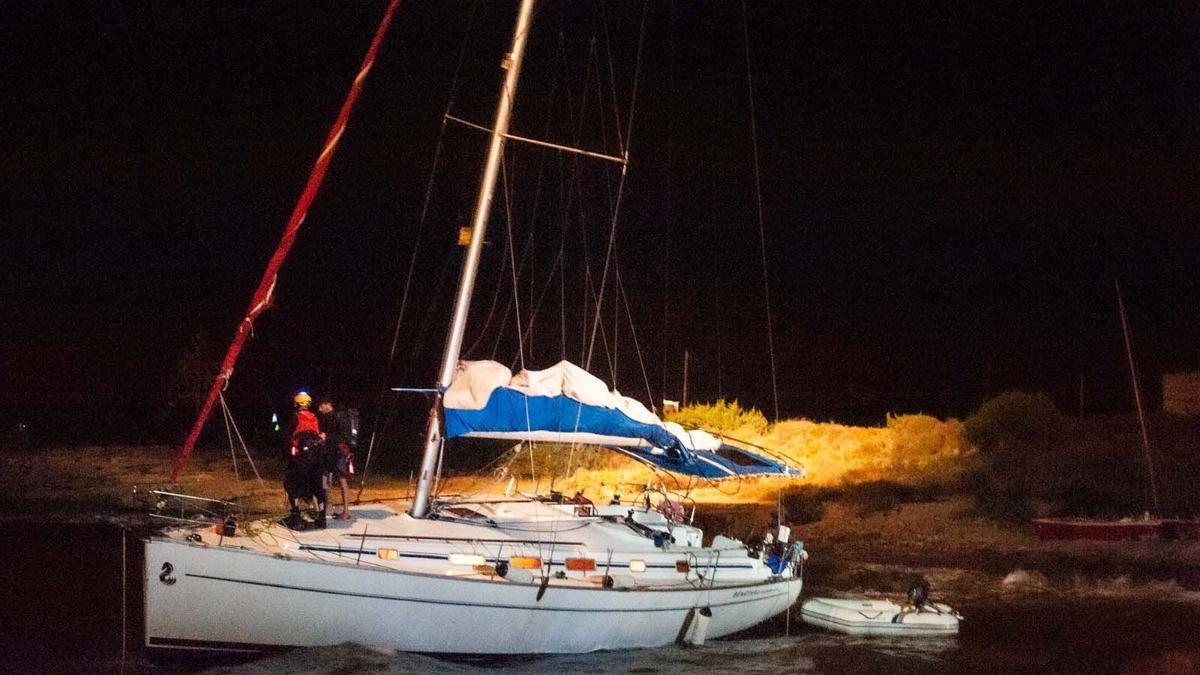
x: 306, y: 420
x: 303, y: 478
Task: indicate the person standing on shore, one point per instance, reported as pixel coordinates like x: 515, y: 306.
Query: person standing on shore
x: 339, y: 448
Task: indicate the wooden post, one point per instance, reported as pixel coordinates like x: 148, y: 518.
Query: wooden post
x: 686, y: 357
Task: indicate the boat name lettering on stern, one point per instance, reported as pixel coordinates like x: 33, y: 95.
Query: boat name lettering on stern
x: 750, y: 593
x: 166, y: 577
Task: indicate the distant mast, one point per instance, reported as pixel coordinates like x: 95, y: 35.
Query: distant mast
x: 462, y: 302
x: 686, y: 358
x: 1137, y: 399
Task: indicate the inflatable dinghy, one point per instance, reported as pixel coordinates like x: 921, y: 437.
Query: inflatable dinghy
x: 860, y: 616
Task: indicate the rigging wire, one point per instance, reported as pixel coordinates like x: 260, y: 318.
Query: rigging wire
x: 565, y: 205
x: 665, y: 284
x: 533, y: 218
x: 575, y: 199
x: 636, y: 345
x: 229, y: 432
x: 428, y: 198
x: 418, y: 346
x: 516, y: 298
x: 762, y: 238
x: 527, y: 253
x: 421, y: 221
x: 612, y: 80
x: 540, y: 301
x: 231, y: 424
x: 616, y: 348
x: 516, y: 301
x: 612, y: 233
x: 487, y: 321
x: 595, y: 297
x: 562, y: 287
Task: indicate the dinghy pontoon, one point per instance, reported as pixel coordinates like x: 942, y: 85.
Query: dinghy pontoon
x: 862, y: 616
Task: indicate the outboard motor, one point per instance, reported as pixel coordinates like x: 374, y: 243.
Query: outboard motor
x: 918, y: 593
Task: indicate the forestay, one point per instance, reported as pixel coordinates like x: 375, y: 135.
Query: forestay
x: 566, y: 404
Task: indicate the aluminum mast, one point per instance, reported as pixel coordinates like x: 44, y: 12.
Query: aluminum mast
x: 466, y: 284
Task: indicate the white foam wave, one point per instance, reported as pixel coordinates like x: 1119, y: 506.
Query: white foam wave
x: 1027, y: 581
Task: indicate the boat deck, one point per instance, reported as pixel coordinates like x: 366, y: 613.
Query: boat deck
x: 522, y: 540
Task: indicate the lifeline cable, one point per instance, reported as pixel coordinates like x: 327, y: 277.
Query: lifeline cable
x: 264, y: 294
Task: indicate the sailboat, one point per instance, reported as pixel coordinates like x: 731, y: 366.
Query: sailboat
x: 503, y: 575
x: 1128, y: 529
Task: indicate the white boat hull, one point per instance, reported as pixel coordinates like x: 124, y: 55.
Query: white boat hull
x: 204, y: 597
x: 878, y: 617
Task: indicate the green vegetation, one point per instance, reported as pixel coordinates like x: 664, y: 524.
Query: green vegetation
x: 1017, y: 434
x: 1017, y: 456
x: 910, y: 449
x: 727, y: 417
x: 1036, y: 461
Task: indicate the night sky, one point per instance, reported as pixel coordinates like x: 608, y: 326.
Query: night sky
x: 949, y: 191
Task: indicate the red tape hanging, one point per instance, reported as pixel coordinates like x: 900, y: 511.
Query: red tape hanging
x: 266, y: 287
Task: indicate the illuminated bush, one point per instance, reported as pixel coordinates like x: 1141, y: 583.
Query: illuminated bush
x: 723, y: 416
x: 1016, y: 454
x: 926, y: 455
x: 558, y: 460
x: 913, y: 449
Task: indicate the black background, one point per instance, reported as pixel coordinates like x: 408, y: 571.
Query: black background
x: 949, y: 192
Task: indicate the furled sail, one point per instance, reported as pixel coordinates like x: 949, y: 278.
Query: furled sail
x: 566, y: 404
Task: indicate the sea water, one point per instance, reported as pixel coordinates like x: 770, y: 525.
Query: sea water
x: 63, y: 613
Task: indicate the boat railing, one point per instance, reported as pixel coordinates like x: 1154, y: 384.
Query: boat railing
x: 190, y: 509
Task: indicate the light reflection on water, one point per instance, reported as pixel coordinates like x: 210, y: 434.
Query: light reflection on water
x: 808, y: 652
x: 1078, y: 636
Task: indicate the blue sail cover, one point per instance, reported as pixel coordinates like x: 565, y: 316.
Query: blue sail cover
x: 508, y: 410
x: 726, y: 462
x: 486, y: 402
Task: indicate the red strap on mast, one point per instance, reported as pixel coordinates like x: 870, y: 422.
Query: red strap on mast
x: 266, y: 287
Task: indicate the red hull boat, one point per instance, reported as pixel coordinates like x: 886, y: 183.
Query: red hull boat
x: 1182, y: 529
x: 1058, y: 529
